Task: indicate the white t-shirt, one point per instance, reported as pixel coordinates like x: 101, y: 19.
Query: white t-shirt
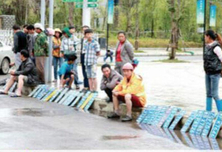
x: 217, y: 51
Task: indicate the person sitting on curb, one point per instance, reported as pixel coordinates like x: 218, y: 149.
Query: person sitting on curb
x: 131, y: 91
x: 110, y: 79
x: 26, y: 74
x: 66, y: 72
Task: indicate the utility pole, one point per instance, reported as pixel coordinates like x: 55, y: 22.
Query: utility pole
x: 49, y: 63
x: 43, y: 13
x: 204, y: 25
x: 137, y: 25
x: 86, y: 14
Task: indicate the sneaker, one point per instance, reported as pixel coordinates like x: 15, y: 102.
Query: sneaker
x: 126, y: 118
x: 80, y: 83
x: 113, y: 115
x: 77, y: 87
x: 108, y: 100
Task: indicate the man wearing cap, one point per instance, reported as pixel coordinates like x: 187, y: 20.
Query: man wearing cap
x: 131, y: 91
x: 41, y: 50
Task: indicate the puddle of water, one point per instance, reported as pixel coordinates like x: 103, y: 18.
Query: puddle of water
x: 33, y: 112
x: 193, y: 141
x: 119, y: 137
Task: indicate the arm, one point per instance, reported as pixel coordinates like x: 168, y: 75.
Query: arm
x: 103, y: 84
x: 118, y: 88
x: 113, y: 82
x: 218, y: 52
x: 134, y: 87
x: 97, y: 47
x: 129, y: 49
x: 62, y: 49
x: 28, y: 68
x: 15, y: 49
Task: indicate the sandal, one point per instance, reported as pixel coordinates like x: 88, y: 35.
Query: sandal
x: 15, y: 96
x: 3, y: 93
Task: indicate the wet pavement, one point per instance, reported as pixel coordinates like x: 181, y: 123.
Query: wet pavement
x: 30, y: 124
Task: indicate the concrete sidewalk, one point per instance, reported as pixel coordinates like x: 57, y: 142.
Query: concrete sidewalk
x: 162, y: 52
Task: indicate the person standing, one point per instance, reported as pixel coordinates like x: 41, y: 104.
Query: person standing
x: 31, y: 41
x: 57, y: 57
x: 110, y: 80
x: 91, y: 49
x: 82, y: 59
x: 72, y: 30
x: 67, y: 46
x: 124, y: 52
x: 41, y: 50
x: 213, y: 68
x: 20, y: 43
x: 25, y: 30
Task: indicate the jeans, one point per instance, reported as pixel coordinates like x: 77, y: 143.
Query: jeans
x: 18, y: 61
x: 109, y: 94
x: 212, y: 85
x: 57, y: 61
x: 85, y: 79
x: 107, y: 56
x: 75, y: 69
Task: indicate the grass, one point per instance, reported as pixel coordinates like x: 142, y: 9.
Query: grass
x: 171, y: 61
x: 154, y: 43
x: 138, y: 51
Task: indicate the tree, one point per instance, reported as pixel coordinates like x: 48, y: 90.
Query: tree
x: 176, y: 8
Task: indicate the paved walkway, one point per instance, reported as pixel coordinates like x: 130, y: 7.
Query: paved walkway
x: 28, y: 124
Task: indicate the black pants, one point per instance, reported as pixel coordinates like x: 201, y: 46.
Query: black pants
x: 109, y: 94
x: 85, y: 79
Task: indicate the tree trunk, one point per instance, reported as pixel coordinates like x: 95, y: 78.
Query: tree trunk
x: 116, y: 17
x: 137, y: 26
x: 173, y: 31
x: 71, y: 11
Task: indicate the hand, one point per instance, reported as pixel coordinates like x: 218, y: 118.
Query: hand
x: 97, y: 53
x: 115, y: 94
x: 12, y: 64
x: 71, y: 48
x: 61, y: 55
x: 12, y: 72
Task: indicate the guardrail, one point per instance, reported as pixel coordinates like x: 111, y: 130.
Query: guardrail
x: 6, y: 36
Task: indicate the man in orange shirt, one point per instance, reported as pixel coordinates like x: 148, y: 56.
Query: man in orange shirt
x: 131, y: 91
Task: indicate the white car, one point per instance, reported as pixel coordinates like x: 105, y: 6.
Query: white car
x: 6, y: 58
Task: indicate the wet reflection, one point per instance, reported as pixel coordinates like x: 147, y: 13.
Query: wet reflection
x: 119, y: 137
x: 193, y: 141
x: 33, y: 112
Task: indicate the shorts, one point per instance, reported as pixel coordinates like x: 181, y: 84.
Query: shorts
x: 91, y: 71
x: 66, y: 76
x: 135, y: 100
x: 25, y: 79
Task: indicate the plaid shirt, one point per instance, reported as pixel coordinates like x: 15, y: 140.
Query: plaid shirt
x: 90, y: 49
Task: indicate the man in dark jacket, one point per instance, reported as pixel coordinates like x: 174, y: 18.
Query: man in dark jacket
x: 20, y: 43
x: 109, y: 80
x: 26, y: 74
